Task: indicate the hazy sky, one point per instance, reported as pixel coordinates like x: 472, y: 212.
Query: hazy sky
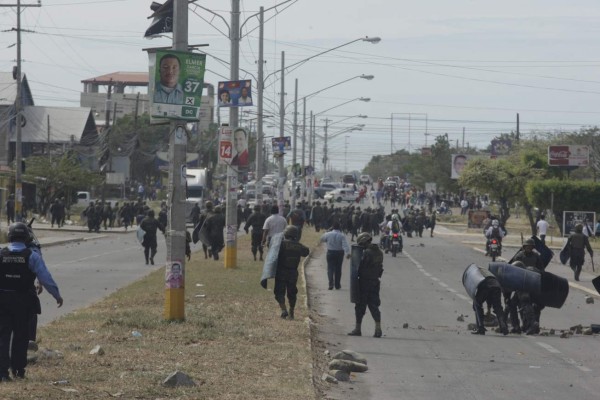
x: 442, y: 65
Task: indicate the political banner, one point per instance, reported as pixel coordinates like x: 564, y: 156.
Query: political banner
x: 281, y: 144
x: 175, y: 84
x: 459, y: 161
x: 225, y: 145
x: 235, y: 93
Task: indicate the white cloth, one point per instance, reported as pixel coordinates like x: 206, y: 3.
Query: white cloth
x: 542, y: 227
x: 274, y: 224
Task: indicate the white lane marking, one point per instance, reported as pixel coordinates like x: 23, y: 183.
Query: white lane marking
x: 574, y: 363
x: 127, y: 249
x: 433, y: 278
x: 426, y: 273
x: 460, y: 296
x: 442, y: 284
x: 548, y: 347
x: 451, y: 290
x: 565, y: 359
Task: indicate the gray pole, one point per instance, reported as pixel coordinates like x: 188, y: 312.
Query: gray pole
x: 282, y: 174
x: 232, y: 174
x: 303, y: 144
x: 18, y: 110
x: 295, y: 141
x: 325, y: 150
x: 259, y: 121
x: 176, y: 230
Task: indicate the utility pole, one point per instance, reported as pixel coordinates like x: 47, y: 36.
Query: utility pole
x: 107, y: 106
x: 18, y: 116
x: 259, y: 105
x: 295, y: 141
x: 518, y: 126
x: 176, y: 231
x: 325, y: 150
x: 303, y: 166
x: 232, y: 174
x: 49, y: 155
x: 463, y: 140
x: 281, y: 127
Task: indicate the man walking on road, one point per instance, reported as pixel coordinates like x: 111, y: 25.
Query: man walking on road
x: 150, y: 225
x: 273, y: 225
x: 542, y: 228
x: 286, y: 276
x: 370, y: 270
x: 577, y: 243
x: 337, y: 247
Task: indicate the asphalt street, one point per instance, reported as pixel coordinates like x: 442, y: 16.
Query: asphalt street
x: 436, y: 356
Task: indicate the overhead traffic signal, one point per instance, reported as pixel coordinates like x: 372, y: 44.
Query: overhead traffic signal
x: 163, y: 18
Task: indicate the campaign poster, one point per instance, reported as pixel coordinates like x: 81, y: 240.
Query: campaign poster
x: 175, y: 84
x: 281, y: 144
x: 174, y: 275
x: 225, y: 145
x: 235, y: 93
x: 459, y: 161
x: 585, y: 218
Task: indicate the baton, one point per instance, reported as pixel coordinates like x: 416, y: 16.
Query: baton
x: 592, y: 258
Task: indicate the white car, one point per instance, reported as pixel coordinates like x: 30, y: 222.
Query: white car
x: 339, y: 195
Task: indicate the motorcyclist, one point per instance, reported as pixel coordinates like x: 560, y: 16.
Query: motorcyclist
x: 493, y: 232
x: 394, y: 226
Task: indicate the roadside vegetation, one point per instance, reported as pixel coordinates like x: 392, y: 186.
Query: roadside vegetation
x: 233, y: 343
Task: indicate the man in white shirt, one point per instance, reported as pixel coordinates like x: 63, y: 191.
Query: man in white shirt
x: 273, y: 225
x: 542, y: 228
x: 337, y: 247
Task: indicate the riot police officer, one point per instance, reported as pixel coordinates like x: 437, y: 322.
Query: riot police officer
x: 370, y: 270
x: 483, y: 287
x: 256, y: 220
x: 286, y: 275
x: 530, y: 310
x: 19, y: 267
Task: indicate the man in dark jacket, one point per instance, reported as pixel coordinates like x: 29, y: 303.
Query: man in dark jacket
x: 577, y: 244
x: 286, y: 275
x: 19, y: 267
x: 370, y: 270
x: 256, y: 220
x: 214, y: 228
x: 530, y: 311
x: 150, y: 225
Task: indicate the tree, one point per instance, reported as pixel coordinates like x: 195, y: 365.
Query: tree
x: 57, y: 178
x: 504, y: 180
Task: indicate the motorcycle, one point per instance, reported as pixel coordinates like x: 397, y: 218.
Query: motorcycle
x: 396, y: 244
x: 495, y: 249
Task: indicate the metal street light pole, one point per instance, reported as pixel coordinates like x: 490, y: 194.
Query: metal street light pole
x: 281, y: 128
x: 259, y: 121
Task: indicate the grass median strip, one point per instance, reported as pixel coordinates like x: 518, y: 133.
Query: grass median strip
x: 233, y: 343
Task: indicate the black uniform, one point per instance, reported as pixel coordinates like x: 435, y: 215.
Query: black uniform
x: 286, y: 275
x: 370, y: 270
x: 577, y: 244
x: 150, y: 225
x: 529, y: 310
x: 214, y: 227
x: 256, y: 220
x: 489, y: 290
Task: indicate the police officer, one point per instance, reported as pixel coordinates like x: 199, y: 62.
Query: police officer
x: 19, y: 267
x: 488, y: 290
x: 286, y: 275
x: 530, y: 311
x: 256, y: 220
x: 150, y: 225
x: 577, y: 244
x: 370, y: 270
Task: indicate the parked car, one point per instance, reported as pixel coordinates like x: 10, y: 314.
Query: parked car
x: 339, y: 195
x: 365, y: 180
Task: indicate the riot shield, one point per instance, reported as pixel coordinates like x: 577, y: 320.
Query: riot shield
x: 554, y: 291
x: 270, y: 265
x: 596, y: 283
x: 471, y: 279
x: 516, y: 278
x: 356, y: 256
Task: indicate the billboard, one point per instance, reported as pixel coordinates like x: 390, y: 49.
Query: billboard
x: 500, y: 147
x: 281, y: 144
x: 459, y: 161
x: 572, y: 218
x: 235, y: 93
x: 569, y: 156
x: 175, y: 84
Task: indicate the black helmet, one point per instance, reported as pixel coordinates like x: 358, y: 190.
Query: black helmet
x: 364, y: 239
x: 529, y: 242
x: 18, y: 232
x: 291, y: 232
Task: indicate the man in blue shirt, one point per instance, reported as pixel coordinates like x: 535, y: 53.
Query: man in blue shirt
x: 19, y: 267
x: 169, y: 90
x: 337, y: 246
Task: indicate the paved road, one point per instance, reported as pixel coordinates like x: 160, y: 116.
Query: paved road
x: 436, y: 357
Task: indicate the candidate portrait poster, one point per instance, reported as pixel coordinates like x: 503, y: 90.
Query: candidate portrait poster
x: 459, y: 161
x: 235, y: 93
x: 175, y: 84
